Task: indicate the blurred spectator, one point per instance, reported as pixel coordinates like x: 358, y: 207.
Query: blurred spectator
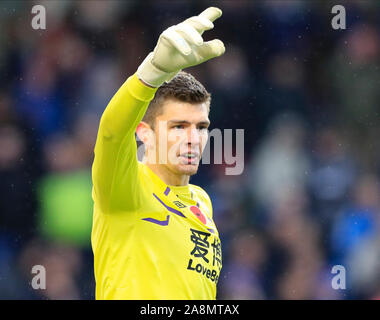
x: 331, y: 176
x: 355, y: 77
x: 65, y: 194
x: 296, y: 238
x: 358, y: 220
x: 39, y: 101
x: 280, y: 163
x: 243, y: 273
x: 62, y: 265
x: 363, y: 265
x: 231, y: 86
x: 99, y: 85
x: 17, y: 202
x: 18, y: 170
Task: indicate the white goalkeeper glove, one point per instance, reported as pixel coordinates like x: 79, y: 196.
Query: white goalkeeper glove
x: 179, y: 47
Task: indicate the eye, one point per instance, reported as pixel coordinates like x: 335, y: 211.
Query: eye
x: 178, y: 126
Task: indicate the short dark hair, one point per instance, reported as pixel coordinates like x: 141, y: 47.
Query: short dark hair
x: 183, y: 87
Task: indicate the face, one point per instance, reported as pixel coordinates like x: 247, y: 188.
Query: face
x: 181, y: 133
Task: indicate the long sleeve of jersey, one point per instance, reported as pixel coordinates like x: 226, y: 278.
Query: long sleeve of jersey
x: 114, y: 170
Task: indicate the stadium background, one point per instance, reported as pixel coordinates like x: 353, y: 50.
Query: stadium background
x: 307, y: 96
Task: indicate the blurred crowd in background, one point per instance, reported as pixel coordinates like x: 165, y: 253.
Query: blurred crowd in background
x: 306, y: 95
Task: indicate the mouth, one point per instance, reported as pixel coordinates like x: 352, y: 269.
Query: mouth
x: 191, y: 158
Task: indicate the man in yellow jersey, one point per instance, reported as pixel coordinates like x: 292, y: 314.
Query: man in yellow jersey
x: 153, y: 233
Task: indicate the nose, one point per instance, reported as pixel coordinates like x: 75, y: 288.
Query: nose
x: 193, y: 136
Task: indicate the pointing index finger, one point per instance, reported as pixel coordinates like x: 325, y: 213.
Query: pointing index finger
x: 211, y: 13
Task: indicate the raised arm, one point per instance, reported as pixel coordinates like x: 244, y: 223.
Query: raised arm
x: 116, y: 187
x: 115, y: 165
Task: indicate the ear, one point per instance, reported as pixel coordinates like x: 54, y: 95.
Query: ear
x: 145, y: 134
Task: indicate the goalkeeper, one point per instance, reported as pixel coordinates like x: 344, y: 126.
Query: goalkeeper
x: 153, y: 234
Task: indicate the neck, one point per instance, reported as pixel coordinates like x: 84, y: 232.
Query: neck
x: 167, y: 176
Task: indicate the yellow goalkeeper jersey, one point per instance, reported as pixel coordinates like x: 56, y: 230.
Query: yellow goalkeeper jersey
x: 150, y: 240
